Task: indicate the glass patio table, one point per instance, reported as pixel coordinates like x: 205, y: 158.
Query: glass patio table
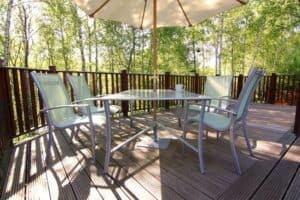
x: 146, y: 95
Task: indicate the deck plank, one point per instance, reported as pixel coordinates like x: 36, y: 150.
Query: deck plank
x: 59, y: 184
x: 37, y: 179
x: 293, y: 192
x: 81, y: 184
x: 105, y: 185
x: 15, y: 187
x: 141, y: 173
x: 220, y: 170
x: 247, y: 184
x: 277, y: 183
x: 126, y: 170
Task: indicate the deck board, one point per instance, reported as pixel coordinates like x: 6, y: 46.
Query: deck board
x: 247, y: 184
x: 14, y: 187
x: 60, y: 185
x: 143, y: 173
x: 37, y: 178
x: 129, y: 169
x: 293, y: 192
x: 277, y: 183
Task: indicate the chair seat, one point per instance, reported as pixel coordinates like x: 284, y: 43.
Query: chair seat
x: 98, y: 120
x: 213, y: 120
x: 113, y: 109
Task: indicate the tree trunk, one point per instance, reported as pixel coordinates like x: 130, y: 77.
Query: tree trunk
x: 78, y: 25
x: 194, y: 54
x: 90, y: 46
x: 132, y: 51
x: 6, y: 34
x: 96, y: 46
x: 81, y: 46
x: 232, y: 56
x: 24, y: 19
x: 143, y: 49
x: 64, y: 53
x: 258, y: 43
x: 244, y: 54
x: 203, y: 55
x: 220, y: 43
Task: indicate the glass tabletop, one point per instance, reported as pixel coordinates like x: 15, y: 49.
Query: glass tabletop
x: 155, y: 95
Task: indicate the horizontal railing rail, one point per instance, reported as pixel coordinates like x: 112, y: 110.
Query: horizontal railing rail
x: 20, y: 102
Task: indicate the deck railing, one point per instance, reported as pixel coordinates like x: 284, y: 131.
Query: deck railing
x: 20, y: 102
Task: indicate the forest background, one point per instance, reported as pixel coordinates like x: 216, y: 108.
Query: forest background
x: 39, y: 33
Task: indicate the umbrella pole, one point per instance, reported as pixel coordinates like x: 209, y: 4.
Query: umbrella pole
x: 155, y: 66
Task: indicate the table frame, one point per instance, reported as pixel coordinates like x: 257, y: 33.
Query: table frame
x: 129, y: 96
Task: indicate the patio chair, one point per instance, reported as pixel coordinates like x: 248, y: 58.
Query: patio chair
x: 83, y: 94
x: 216, y: 87
x: 59, y: 110
x: 234, y: 120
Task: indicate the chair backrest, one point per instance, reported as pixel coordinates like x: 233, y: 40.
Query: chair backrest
x: 218, y: 86
x: 80, y: 88
x: 241, y: 107
x: 53, y: 93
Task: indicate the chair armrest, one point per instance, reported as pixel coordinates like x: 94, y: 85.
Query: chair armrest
x: 88, y: 99
x: 224, y: 110
x: 227, y: 98
x: 64, y: 106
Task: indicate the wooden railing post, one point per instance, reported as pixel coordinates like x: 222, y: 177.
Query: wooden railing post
x: 167, y: 87
x: 52, y: 69
x: 196, y: 86
x: 7, y: 126
x: 297, y: 116
x: 124, y: 86
x: 272, y: 89
x: 240, y: 85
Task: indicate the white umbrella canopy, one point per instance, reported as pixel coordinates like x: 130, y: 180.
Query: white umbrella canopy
x: 139, y: 13
x: 156, y: 13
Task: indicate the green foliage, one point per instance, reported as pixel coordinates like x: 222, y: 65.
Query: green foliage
x: 263, y: 33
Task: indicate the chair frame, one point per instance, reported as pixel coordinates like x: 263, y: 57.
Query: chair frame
x: 220, y: 99
x: 50, y: 122
x: 79, y: 99
x: 236, y: 121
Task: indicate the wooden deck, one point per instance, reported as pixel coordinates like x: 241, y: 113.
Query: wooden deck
x: 141, y: 173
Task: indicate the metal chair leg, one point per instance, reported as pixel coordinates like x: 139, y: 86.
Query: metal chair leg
x: 72, y: 134
x: 233, y: 150
x: 200, y: 148
x: 93, y: 140
x: 185, y: 123
x: 184, y: 135
x: 131, y: 113
x: 50, y: 141
x: 108, y: 138
x: 247, y: 139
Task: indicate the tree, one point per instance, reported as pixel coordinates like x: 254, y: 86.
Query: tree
x: 7, y: 30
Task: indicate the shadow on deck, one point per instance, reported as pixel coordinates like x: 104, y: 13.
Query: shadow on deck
x: 141, y: 173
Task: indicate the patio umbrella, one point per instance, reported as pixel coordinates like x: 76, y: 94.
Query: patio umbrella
x: 156, y: 13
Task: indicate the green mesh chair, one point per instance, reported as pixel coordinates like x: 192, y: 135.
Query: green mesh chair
x: 83, y: 94
x: 234, y: 119
x: 216, y: 87
x: 59, y: 110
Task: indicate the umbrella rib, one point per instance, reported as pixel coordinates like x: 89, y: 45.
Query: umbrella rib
x: 185, y: 15
x: 99, y: 8
x: 145, y: 5
x: 241, y: 2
